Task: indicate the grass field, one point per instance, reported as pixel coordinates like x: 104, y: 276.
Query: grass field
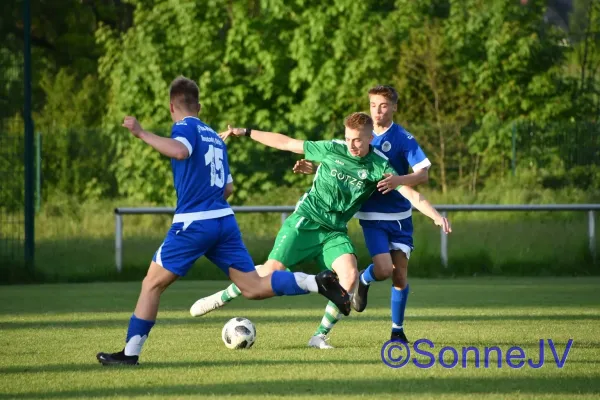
x: 49, y: 335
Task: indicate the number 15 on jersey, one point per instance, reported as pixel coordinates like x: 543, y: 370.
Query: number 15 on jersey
x: 214, y: 158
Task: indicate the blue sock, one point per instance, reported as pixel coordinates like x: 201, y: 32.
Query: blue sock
x: 369, y: 275
x: 284, y: 283
x: 137, y: 333
x: 399, y: 298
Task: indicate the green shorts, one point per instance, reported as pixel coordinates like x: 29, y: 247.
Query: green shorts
x: 300, y: 239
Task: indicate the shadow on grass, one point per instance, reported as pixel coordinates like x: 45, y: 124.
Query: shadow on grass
x: 95, y: 367
x: 108, y: 323
x: 374, y: 387
x: 177, y: 364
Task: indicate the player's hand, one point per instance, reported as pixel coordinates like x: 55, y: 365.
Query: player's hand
x: 389, y: 183
x: 444, y: 224
x: 133, y: 125
x: 232, y: 131
x: 304, y: 167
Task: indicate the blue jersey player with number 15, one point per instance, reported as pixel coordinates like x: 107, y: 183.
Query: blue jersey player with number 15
x: 203, y: 225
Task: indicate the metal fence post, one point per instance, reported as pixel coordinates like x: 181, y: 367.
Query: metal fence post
x: 119, y: 241
x: 29, y: 157
x: 283, y: 217
x: 592, y: 233
x: 444, y: 244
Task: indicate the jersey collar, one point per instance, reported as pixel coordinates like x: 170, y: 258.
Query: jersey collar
x: 386, y: 131
x: 189, y: 116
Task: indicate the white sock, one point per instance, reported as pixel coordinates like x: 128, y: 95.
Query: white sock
x: 134, y: 346
x: 306, y: 282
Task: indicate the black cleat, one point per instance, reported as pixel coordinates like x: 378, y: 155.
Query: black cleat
x: 116, y: 359
x: 359, y: 300
x: 399, y: 337
x: 329, y: 286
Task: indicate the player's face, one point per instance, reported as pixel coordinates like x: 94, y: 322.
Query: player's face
x: 358, y: 141
x: 382, y: 110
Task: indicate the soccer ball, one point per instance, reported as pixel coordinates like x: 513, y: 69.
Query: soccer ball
x: 239, y: 333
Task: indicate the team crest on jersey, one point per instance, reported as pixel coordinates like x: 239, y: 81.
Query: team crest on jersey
x: 386, y: 146
x: 362, y: 174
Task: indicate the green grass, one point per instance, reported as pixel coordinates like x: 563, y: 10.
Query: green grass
x: 49, y: 335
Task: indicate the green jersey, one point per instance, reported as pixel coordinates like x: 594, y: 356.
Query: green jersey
x: 343, y: 182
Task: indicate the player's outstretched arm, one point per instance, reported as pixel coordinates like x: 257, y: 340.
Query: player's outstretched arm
x: 423, y: 205
x: 166, y: 146
x: 271, y: 139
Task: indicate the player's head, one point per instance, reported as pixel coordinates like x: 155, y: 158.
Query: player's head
x: 383, y: 102
x: 183, y: 95
x: 359, y: 133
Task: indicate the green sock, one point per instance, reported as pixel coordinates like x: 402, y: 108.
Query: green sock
x: 332, y: 315
x: 230, y: 293
x: 233, y: 291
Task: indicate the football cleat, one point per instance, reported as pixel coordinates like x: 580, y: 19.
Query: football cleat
x: 116, y: 359
x: 399, y: 337
x: 359, y: 300
x: 329, y: 286
x: 207, y: 304
x: 319, y: 342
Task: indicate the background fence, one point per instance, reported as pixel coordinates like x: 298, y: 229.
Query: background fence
x: 443, y: 209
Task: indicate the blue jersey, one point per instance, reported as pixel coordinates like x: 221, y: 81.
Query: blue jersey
x: 403, y: 151
x: 200, y: 179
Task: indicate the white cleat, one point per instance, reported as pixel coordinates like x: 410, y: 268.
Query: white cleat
x: 319, y: 342
x: 207, y: 304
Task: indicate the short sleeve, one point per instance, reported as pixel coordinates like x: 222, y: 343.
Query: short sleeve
x: 414, y: 154
x: 184, y: 134
x: 317, y: 150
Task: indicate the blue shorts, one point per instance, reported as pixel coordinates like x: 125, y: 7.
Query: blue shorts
x: 219, y: 239
x: 385, y: 236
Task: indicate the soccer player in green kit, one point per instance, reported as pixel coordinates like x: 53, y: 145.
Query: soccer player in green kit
x: 347, y: 176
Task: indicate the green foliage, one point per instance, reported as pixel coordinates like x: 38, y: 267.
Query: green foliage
x: 467, y: 72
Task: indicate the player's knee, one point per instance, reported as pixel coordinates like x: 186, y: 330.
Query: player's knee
x: 154, y: 283
x: 384, y: 268
x: 385, y: 272
x: 348, y: 277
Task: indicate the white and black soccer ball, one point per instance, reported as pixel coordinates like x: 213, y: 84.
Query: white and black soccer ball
x: 239, y: 333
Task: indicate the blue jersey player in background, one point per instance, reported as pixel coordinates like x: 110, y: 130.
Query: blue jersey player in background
x: 386, y: 218
x: 203, y: 225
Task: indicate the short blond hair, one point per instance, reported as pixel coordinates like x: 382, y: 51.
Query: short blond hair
x: 359, y: 121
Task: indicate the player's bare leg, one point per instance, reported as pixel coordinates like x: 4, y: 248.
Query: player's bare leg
x: 399, y: 296
x: 346, y: 268
x: 221, y: 298
x: 280, y: 283
x: 154, y: 284
x: 381, y: 269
